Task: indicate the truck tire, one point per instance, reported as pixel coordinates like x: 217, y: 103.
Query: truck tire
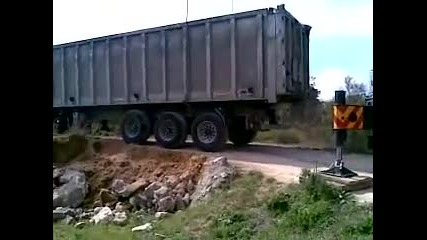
x: 135, y: 127
x: 61, y: 123
x: 209, y: 132
x: 170, y: 130
x: 240, y: 136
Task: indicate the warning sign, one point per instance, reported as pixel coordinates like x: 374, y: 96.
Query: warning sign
x: 347, y: 117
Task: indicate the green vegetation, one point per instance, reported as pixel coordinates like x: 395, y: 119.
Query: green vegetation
x: 254, y: 207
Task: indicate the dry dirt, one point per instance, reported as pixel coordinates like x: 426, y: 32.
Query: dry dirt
x: 290, y: 174
x: 109, y: 159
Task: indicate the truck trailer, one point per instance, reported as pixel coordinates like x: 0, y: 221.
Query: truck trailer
x: 215, y: 79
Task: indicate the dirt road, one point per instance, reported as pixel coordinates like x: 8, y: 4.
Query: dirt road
x: 304, y: 158
x: 288, y: 155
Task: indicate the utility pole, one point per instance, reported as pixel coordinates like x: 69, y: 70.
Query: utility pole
x: 232, y: 6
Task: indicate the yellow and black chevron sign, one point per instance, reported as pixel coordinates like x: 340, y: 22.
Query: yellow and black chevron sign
x: 348, y: 117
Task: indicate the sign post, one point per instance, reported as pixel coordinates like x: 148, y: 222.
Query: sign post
x: 344, y: 117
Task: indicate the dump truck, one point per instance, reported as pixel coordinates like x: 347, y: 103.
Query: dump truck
x: 215, y: 79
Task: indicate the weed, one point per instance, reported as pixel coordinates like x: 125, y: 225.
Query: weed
x: 233, y: 226
x: 279, y: 203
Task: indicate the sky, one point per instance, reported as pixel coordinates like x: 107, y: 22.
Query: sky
x: 341, y: 40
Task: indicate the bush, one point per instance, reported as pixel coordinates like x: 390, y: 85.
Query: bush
x: 233, y: 225
x: 279, y: 203
x: 364, y: 227
x: 304, y: 217
x: 314, y: 188
x: 307, y: 205
x: 357, y: 142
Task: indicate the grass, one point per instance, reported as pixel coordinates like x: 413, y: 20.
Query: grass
x: 316, y: 137
x: 254, y: 207
x: 286, y: 136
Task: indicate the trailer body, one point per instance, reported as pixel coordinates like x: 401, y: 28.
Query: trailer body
x: 217, y: 79
x: 257, y: 55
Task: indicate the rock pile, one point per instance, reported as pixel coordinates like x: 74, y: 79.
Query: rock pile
x: 217, y: 173
x: 114, y: 204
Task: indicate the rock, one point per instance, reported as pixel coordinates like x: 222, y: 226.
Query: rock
x: 185, y: 176
x: 97, y: 210
x: 72, y: 192
x: 61, y: 213
x: 186, y: 199
x: 118, y: 186
x: 158, y: 172
x: 161, y: 215
x: 140, y: 215
x: 133, y: 187
x: 219, y: 161
x: 106, y: 196
x: 190, y: 186
x: 58, y: 172
x: 78, y: 211
x: 71, y: 175
x: 179, y: 203
x: 67, y: 220
x: 166, y: 204
x: 58, y: 215
x: 68, y: 211
x: 86, y: 215
x: 161, y: 192
x: 139, y: 201
x: 120, y: 219
x: 105, y: 215
x: 145, y: 227
x: 79, y: 225
x: 97, y: 203
x: 180, y: 188
x: 172, y: 181
x: 216, y: 174
x: 149, y: 191
x: 120, y: 207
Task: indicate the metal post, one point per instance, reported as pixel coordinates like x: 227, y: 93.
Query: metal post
x: 337, y: 169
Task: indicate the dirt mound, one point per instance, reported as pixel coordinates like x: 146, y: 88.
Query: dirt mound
x: 68, y: 148
x: 113, y: 159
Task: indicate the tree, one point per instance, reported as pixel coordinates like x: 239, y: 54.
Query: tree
x: 313, y: 92
x: 355, y: 91
x: 354, y: 88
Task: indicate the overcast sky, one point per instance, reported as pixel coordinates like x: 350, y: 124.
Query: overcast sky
x: 341, y: 41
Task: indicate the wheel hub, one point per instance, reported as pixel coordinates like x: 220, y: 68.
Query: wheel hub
x: 206, y: 132
x: 168, y: 130
x: 133, y: 128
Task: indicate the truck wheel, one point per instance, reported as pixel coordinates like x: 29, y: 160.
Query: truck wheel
x: 240, y: 136
x: 209, y: 132
x: 170, y: 130
x: 135, y: 127
x: 61, y: 123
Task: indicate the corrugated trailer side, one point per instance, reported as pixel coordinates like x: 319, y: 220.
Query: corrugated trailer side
x: 216, y: 79
x: 256, y: 55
